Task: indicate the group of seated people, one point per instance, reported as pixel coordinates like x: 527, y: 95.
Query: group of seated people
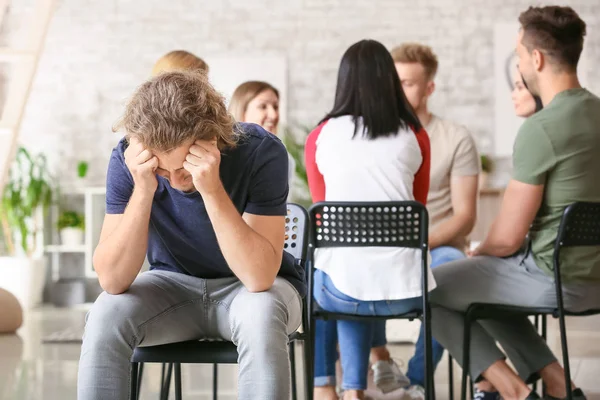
x: 201, y: 190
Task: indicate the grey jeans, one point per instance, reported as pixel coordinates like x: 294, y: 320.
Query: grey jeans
x: 165, y: 307
x: 516, y: 281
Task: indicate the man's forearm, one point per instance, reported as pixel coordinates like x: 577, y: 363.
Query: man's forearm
x: 119, y: 258
x: 447, y: 231
x: 498, y: 245
x: 250, y: 256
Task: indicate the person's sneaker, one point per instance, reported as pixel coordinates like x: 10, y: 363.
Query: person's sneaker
x: 415, y: 392
x: 481, y: 395
x: 577, y: 395
x: 388, y: 376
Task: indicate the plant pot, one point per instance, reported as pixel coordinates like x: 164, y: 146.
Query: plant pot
x: 68, y: 292
x: 25, y: 278
x: 71, y: 236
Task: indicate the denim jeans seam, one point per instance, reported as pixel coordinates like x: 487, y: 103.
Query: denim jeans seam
x: 334, y: 298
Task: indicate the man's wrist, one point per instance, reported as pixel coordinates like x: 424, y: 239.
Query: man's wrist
x: 215, y: 196
x: 141, y: 195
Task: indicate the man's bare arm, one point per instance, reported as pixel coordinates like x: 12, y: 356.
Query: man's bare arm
x: 123, y: 244
x: 251, y: 244
x: 463, y: 193
x: 519, y: 207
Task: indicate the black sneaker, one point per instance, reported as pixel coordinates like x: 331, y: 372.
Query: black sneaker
x: 577, y: 395
x: 481, y: 395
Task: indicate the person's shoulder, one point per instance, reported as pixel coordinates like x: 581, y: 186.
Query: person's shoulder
x: 118, y: 151
x: 253, y: 136
x: 451, y: 129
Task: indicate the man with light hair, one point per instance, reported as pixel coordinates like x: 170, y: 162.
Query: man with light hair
x: 205, y: 200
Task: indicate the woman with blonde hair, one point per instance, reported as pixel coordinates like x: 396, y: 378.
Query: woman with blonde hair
x: 179, y: 60
x: 257, y: 102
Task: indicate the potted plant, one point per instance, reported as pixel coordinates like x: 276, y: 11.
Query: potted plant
x: 487, y: 167
x: 25, y: 201
x: 71, y: 226
x: 82, y: 169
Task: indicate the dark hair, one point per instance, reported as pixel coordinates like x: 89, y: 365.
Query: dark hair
x: 368, y: 86
x: 556, y: 31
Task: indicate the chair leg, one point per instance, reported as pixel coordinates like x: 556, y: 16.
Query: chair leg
x: 177, y: 381
x: 450, y: 377
x: 215, y: 381
x: 139, y: 382
x: 309, y: 361
x: 292, y: 351
x: 166, y: 384
x: 429, y: 372
x: 545, y: 337
x: 162, y: 379
x: 565, y: 351
x: 133, y: 381
x: 465, y: 364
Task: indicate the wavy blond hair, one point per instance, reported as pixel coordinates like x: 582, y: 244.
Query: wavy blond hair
x: 178, y: 60
x: 417, y: 53
x: 173, y: 108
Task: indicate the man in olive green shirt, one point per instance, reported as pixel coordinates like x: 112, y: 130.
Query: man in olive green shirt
x: 556, y: 162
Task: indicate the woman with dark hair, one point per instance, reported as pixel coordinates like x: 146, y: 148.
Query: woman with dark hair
x: 369, y: 147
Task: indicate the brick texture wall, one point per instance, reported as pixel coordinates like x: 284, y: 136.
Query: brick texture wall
x: 98, y: 51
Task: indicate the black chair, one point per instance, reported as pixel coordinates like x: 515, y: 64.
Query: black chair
x: 221, y: 351
x: 371, y: 224
x: 579, y: 226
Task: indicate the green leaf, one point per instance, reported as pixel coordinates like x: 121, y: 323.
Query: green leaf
x: 29, y: 188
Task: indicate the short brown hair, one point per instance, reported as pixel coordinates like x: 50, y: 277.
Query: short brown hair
x: 244, y: 95
x: 175, y: 107
x: 417, y: 53
x: 179, y: 60
x: 556, y: 31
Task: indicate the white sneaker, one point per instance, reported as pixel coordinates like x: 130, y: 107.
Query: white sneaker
x: 415, y: 392
x: 388, y: 376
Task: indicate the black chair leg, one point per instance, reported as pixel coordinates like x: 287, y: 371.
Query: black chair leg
x: 450, y: 377
x: 178, y: 381
x: 166, y: 384
x: 429, y: 372
x: 139, y: 381
x: 292, y: 351
x: 545, y: 337
x: 565, y: 351
x: 134, y: 380
x: 465, y: 363
x: 215, y: 381
x: 309, y: 361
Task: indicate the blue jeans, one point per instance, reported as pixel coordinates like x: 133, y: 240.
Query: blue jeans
x: 416, y: 365
x: 355, y: 338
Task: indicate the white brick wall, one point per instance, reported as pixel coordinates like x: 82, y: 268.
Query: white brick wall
x: 98, y: 50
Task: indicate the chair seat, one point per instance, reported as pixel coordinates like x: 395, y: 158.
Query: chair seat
x: 320, y: 313
x: 478, y: 311
x: 204, y: 351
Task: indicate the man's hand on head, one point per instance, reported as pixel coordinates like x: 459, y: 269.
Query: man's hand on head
x: 203, y: 162
x: 142, y: 164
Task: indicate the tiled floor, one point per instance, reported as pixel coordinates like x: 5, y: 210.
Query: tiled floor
x: 30, y: 370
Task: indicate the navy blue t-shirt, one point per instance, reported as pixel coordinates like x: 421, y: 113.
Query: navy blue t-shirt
x: 181, y: 236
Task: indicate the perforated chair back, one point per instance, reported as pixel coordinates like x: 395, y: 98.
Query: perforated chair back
x: 296, y: 232
x: 579, y: 226
x: 368, y: 224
